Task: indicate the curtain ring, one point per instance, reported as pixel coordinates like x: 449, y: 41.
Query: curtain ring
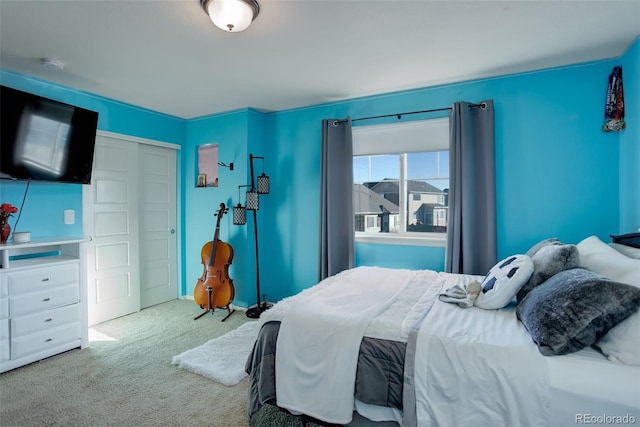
x: 335, y: 123
x: 483, y: 105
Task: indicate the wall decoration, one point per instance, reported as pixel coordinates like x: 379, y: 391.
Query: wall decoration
x: 614, y: 106
x: 207, y: 165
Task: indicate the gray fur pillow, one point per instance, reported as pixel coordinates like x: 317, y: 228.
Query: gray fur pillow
x: 575, y: 308
x: 546, y: 242
x: 548, y: 260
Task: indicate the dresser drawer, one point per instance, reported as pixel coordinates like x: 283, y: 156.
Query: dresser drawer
x: 4, y: 307
x: 43, y: 278
x: 43, y: 300
x: 4, y: 296
x: 44, y: 340
x: 4, y: 285
x: 24, y: 325
x: 4, y: 350
x: 4, y: 329
x: 4, y: 340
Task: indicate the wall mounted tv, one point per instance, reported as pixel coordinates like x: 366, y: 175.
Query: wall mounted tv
x: 45, y: 140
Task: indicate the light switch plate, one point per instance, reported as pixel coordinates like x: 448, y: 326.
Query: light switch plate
x: 69, y: 216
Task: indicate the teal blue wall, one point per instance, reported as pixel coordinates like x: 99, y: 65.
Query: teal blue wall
x: 557, y: 173
x: 398, y: 256
x: 43, y: 209
x: 630, y: 142
x: 238, y: 134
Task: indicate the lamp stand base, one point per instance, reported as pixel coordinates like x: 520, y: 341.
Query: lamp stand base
x: 255, y: 312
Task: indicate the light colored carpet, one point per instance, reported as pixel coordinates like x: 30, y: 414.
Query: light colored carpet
x: 222, y: 359
x: 125, y: 378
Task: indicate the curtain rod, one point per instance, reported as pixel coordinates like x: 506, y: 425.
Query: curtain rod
x: 482, y: 105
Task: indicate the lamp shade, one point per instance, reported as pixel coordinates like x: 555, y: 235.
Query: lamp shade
x: 239, y: 215
x: 263, y: 184
x: 253, y: 200
x: 231, y: 15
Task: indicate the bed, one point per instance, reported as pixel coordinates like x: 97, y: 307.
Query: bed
x: 424, y: 359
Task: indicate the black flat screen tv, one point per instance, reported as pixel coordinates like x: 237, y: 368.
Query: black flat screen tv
x: 45, y: 140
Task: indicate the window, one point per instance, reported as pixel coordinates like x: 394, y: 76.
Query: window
x: 401, y: 180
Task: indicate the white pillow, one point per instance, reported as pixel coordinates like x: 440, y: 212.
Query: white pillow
x: 629, y: 251
x: 597, y: 256
x: 503, y: 281
x: 622, y: 343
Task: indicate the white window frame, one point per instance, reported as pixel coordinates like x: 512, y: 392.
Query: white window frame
x: 416, y: 136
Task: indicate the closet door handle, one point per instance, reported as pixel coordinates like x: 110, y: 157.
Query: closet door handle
x: 46, y: 299
x: 46, y: 279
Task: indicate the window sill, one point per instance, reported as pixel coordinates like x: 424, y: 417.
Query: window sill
x: 440, y: 242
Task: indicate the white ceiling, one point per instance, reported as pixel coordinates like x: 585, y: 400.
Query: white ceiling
x: 167, y: 56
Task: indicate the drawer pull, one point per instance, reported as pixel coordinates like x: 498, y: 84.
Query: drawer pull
x: 48, y: 320
x: 46, y: 299
x: 48, y: 340
x: 46, y: 279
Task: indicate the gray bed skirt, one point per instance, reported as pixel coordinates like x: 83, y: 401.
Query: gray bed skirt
x: 379, y: 377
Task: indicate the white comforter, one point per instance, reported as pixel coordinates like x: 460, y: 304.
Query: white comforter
x: 478, y: 367
x: 474, y: 370
x: 319, y: 340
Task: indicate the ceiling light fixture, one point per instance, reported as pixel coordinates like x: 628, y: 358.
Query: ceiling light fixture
x: 52, y: 64
x: 231, y: 15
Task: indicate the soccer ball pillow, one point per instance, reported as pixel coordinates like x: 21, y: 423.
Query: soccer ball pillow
x: 503, y: 282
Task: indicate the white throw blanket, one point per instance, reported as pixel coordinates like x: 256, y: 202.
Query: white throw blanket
x: 393, y: 323
x: 319, y: 340
x: 478, y: 367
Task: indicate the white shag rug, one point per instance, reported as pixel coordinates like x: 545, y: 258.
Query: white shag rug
x: 222, y: 359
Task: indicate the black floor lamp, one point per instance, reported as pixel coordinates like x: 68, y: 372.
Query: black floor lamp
x: 240, y: 218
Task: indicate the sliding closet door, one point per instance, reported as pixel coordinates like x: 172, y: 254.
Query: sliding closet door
x: 110, y: 215
x: 129, y: 211
x: 158, y: 259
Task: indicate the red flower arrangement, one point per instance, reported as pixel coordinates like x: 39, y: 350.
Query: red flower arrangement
x: 7, y: 210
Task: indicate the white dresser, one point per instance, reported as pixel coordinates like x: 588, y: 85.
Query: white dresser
x: 43, y: 307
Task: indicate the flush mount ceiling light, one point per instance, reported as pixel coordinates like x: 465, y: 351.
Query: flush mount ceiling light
x: 52, y: 64
x: 231, y: 15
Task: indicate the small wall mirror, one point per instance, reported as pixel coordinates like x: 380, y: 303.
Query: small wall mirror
x: 207, y: 171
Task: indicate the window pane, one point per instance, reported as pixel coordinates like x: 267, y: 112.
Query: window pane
x: 361, y: 171
x: 427, y: 191
x: 422, y: 165
x: 444, y: 164
x: 432, y: 164
x: 376, y: 194
x: 427, y: 205
x: 407, y: 191
x: 376, y: 168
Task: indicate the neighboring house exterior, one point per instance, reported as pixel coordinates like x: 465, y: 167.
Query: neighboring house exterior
x: 371, y: 208
x: 428, y: 207
x: 376, y: 206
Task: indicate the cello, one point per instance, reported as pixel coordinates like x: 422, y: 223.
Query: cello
x: 214, y: 288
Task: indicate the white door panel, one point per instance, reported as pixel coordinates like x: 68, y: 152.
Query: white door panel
x: 130, y: 212
x: 158, y: 268
x: 113, y: 288
x: 111, y: 219
x: 108, y: 224
x: 111, y: 191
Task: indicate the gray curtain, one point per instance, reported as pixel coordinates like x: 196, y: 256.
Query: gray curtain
x: 471, y: 237
x: 336, y: 199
